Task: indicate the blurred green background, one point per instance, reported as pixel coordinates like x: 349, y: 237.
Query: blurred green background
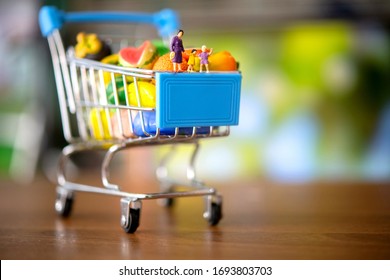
x: 315, y: 101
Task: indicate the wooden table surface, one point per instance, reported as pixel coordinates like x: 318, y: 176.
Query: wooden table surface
x: 261, y: 221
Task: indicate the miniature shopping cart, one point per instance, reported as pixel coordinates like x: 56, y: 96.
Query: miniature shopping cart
x: 189, y: 107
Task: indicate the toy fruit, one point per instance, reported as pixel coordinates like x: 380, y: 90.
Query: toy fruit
x: 149, y: 124
x: 119, y: 89
x: 164, y: 63
x: 112, y: 59
x: 142, y: 57
x: 222, y: 61
x: 147, y: 92
x: 161, y: 47
x: 90, y: 46
x: 99, y: 123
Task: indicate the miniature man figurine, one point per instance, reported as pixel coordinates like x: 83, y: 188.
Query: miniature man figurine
x: 177, y: 49
x: 191, y: 61
x: 204, y: 58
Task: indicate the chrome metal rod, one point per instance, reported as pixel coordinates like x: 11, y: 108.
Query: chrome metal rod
x: 106, y: 165
x: 97, y: 190
x: 191, y: 174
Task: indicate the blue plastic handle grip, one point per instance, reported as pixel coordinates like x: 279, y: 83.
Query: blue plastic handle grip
x: 50, y: 18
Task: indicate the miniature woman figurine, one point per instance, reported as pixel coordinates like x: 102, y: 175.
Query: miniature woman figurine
x: 191, y: 61
x: 204, y: 58
x: 177, y: 48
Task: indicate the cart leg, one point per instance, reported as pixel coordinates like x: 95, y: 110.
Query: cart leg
x: 191, y: 175
x: 162, y: 176
x: 64, y: 201
x: 65, y: 197
x: 106, y: 164
x: 130, y: 214
x: 162, y: 170
x: 65, y: 155
x: 213, y: 205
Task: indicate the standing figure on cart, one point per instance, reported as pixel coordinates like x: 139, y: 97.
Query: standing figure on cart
x: 176, y: 51
x: 204, y: 58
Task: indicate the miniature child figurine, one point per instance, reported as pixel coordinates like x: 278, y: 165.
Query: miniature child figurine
x: 191, y: 61
x: 204, y: 58
x: 177, y: 48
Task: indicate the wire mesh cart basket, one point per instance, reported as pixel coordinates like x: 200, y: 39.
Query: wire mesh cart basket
x: 189, y: 107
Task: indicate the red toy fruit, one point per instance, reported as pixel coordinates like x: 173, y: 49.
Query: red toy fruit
x: 143, y: 56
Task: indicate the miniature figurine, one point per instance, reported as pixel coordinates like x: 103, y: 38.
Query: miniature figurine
x: 191, y: 61
x: 204, y: 58
x: 177, y: 48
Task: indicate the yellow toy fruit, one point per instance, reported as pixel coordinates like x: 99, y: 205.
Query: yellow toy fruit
x: 90, y: 46
x: 112, y: 59
x: 99, y: 121
x: 87, y: 44
x: 147, y: 94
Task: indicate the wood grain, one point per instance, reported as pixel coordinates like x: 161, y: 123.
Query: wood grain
x: 261, y: 221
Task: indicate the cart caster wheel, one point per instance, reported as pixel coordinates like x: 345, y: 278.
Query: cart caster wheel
x: 133, y: 221
x: 63, y: 204
x: 215, y: 213
x: 131, y: 212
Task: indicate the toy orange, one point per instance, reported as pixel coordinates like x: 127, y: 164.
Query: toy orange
x: 222, y: 61
x: 164, y: 63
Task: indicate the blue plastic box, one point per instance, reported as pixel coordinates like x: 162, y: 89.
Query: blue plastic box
x: 197, y: 99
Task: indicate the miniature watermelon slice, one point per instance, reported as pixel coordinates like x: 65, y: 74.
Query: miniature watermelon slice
x: 142, y: 57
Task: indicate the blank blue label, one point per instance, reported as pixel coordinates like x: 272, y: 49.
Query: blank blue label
x: 198, y: 99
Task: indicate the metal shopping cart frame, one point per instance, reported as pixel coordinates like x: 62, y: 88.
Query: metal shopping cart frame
x: 189, y: 107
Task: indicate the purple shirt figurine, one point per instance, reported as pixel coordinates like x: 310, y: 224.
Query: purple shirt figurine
x: 204, y: 57
x: 177, y: 47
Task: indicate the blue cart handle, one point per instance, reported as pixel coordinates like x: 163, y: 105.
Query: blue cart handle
x: 50, y: 18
